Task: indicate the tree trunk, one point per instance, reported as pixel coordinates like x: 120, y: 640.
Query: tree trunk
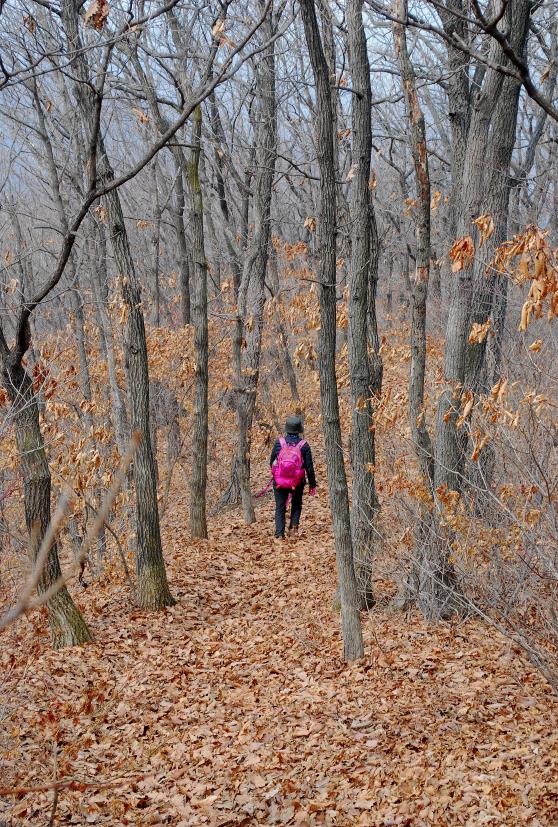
x: 419, y: 281
x: 156, y: 244
x: 449, y: 442
x: 282, y: 333
x: 153, y: 591
x: 77, y: 307
x: 183, y: 259
x: 75, y: 297
x: 489, y: 300
x: 326, y: 244
x: 376, y: 363
x: 472, y: 297
x: 198, y: 521
x: 495, y: 203
x: 459, y: 101
x: 459, y: 114
x: 155, y: 401
x: 364, y: 503
x: 66, y: 623
x: 251, y: 295
x: 431, y: 581
x: 98, y: 264
x: 195, y: 307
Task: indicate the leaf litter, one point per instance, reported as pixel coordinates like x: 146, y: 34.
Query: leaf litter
x: 234, y: 708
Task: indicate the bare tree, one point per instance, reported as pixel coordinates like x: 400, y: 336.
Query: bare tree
x: 419, y: 292
x: 251, y: 294
x: 364, y: 240
x: 198, y: 521
x: 66, y: 623
x: 326, y: 276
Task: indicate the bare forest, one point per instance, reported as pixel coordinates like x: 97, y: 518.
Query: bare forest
x: 242, y: 239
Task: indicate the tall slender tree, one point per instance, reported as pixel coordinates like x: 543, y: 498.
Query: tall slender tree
x: 420, y: 571
x: 249, y: 320
x: 66, y: 623
x: 326, y: 252
x: 198, y: 521
x: 364, y: 257
x: 153, y: 590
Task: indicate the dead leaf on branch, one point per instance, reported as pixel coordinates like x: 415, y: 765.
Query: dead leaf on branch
x: 97, y: 14
x: 101, y: 212
x: 410, y: 205
x: 537, y: 263
x: 486, y: 227
x: 479, y: 332
x: 435, y: 202
x: 218, y: 29
x: 29, y: 23
x: 141, y: 116
x: 461, y: 254
x: 469, y: 401
x: 480, y: 441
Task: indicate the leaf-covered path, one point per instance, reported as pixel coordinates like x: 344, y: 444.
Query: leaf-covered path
x: 233, y: 708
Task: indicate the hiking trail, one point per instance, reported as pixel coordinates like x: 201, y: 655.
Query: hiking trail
x: 234, y: 708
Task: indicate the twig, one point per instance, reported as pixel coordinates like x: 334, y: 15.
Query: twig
x: 98, y: 523
x: 40, y: 561
x: 7, y: 493
x: 70, y: 784
x: 25, y: 602
x: 118, y: 546
x: 55, y: 796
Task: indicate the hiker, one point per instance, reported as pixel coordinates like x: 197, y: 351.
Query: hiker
x: 291, y: 462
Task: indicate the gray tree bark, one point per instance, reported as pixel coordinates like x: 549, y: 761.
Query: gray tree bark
x: 472, y: 296
x: 420, y: 278
x: 283, y: 336
x: 65, y: 620
x: 364, y: 501
x: 153, y: 590
x: 183, y: 258
x: 326, y: 276
x: 198, y: 521
x: 424, y: 581
x: 449, y: 442
x: 75, y: 297
x: 98, y: 264
x: 251, y: 296
x: 197, y: 298
x: 156, y: 245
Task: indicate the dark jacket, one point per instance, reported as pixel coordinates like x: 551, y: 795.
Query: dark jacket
x: 294, y: 439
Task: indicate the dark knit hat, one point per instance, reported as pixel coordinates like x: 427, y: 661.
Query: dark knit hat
x: 294, y: 425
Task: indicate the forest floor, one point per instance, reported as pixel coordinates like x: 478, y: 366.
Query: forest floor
x: 234, y: 708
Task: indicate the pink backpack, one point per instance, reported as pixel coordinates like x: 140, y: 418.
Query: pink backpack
x: 288, y: 469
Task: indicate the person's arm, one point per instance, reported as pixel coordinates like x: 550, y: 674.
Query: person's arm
x: 309, y: 465
x: 275, y: 452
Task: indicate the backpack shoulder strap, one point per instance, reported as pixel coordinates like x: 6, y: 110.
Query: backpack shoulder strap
x: 282, y: 441
x: 300, y: 445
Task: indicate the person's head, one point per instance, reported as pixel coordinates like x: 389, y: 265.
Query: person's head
x: 294, y: 425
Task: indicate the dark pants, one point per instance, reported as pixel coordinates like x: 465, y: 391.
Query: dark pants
x: 281, y: 497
